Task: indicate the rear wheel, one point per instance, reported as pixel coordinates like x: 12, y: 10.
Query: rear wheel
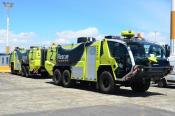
x: 27, y: 71
x: 162, y: 83
x: 106, y: 82
x: 23, y: 71
x: 44, y: 75
x: 66, y: 79
x: 12, y: 68
x: 140, y: 85
x: 57, y: 77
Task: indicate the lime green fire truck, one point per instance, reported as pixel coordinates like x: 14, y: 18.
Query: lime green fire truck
x: 28, y: 62
x: 114, y: 61
x: 18, y: 58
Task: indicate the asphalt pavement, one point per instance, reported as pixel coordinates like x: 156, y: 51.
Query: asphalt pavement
x: 21, y: 96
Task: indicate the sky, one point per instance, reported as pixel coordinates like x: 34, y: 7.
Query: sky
x: 42, y: 22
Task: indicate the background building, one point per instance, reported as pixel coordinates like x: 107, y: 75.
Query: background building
x: 4, y: 62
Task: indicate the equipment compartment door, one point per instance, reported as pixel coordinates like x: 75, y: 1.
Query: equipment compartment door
x: 91, y: 64
x: 31, y: 59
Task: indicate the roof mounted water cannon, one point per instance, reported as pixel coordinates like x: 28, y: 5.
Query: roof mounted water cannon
x: 127, y: 34
x: 139, y: 37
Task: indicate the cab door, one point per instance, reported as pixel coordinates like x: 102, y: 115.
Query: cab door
x: 123, y: 59
x: 50, y: 60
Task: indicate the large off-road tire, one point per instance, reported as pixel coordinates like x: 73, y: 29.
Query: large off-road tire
x: 12, y: 68
x: 66, y: 79
x: 23, y: 71
x: 44, y: 75
x: 106, y: 82
x: 57, y: 77
x: 27, y: 72
x: 162, y: 83
x: 140, y: 85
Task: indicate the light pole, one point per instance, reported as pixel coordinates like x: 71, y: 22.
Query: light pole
x: 8, y: 6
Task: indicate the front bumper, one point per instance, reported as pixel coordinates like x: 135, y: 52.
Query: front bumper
x: 153, y: 73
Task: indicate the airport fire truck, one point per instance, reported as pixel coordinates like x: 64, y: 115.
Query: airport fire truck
x: 114, y: 61
x: 28, y: 62
x: 18, y: 58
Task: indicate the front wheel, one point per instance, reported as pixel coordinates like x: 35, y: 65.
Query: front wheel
x: 140, y: 85
x: 106, y: 82
x: 162, y: 83
x: 66, y: 79
x: 57, y: 77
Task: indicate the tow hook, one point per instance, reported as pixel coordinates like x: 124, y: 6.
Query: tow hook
x: 136, y: 69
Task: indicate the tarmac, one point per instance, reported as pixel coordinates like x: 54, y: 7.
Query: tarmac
x: 21, y: 96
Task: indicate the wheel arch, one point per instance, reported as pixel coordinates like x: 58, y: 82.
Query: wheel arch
x: 104, y: 68
x: 61, y: 68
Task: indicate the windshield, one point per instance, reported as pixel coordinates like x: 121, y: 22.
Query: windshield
x: 146, y: 50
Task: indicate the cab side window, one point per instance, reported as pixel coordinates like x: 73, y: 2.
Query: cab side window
x: 120, y: 51
x: 117, y: 50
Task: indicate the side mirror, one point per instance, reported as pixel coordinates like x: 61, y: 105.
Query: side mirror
x: 167, y: 51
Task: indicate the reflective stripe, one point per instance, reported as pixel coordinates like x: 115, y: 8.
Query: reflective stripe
x: 131, y: 56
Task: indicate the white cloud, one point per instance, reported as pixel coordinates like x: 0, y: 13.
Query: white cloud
x: 16, y: 38
x: 20, y: 39
x: 66, y: 37
x: 22, y: 36
x: 23, y: 39
x: 156, y: 37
